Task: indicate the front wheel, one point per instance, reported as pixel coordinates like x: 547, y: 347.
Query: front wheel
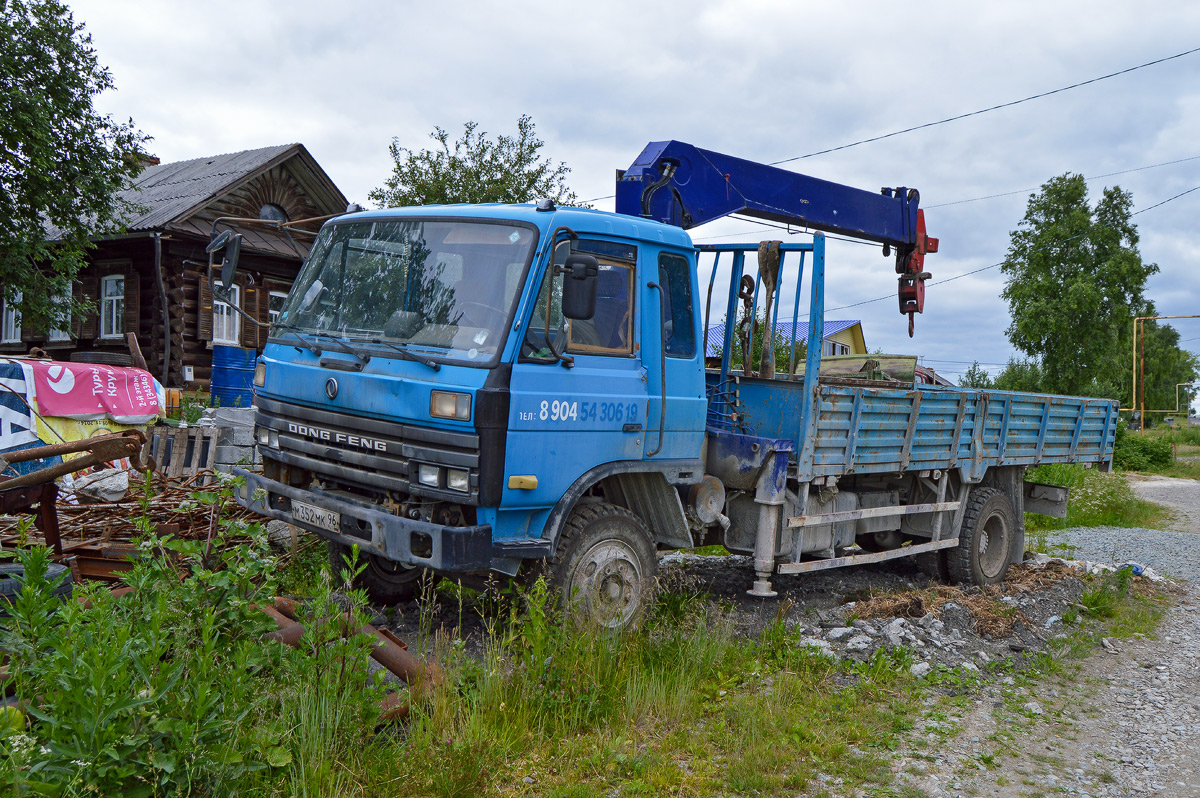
x: 605, y: 565
x: 986, y: 540
x: 386, y: 581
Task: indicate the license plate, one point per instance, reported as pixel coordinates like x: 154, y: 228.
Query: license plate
x: 316, y: 516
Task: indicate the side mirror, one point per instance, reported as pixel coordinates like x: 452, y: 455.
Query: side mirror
x: 580, y: 284
x: 229, y: 264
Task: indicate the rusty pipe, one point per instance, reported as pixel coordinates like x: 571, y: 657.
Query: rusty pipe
x: 392, y: 708
x: 389, y: 651
x: 99, y: 450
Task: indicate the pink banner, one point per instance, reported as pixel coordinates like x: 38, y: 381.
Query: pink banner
x: 86, y: 391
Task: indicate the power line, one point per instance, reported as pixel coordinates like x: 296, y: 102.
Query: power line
x: 1001, y: 263
x: 1095, y: 177
x: 986, y: 110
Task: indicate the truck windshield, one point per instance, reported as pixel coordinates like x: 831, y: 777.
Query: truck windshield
x: 441, y: 288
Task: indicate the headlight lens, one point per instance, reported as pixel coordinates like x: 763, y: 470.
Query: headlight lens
x: 260, y: 375
x: 443, y: 404
x: 264, y: 436
x: 428, y: 475
x: 457, y: 479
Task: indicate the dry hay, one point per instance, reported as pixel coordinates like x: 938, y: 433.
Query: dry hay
x: 993, y: 618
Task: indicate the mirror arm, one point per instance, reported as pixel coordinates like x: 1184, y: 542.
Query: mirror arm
x: 223, y: 296
x: 566, y: 360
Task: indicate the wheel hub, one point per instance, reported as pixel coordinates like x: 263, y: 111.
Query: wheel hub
x: 607, y: 583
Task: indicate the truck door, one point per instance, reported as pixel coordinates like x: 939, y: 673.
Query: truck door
x: 565, y: 421
x: 673, y: 358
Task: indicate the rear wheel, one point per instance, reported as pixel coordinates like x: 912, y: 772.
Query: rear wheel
x: 386, y: 581
x: 605, y: 565
x: 986, y: 540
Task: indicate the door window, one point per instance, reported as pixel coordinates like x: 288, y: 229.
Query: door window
x: 610, y: 330
x: 679, y: 327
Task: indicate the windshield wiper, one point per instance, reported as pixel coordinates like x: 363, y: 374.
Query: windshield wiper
x: 309, y: 345
x: 362, y: 358
x: 407, y: 355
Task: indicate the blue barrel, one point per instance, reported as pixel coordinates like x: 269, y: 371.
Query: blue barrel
x: 232, y: 376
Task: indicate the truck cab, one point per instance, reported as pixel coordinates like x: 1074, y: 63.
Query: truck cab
x: 426, y: 398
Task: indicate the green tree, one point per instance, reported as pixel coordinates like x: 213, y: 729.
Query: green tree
x: 474, y: 168
x: 61, y: 162
x: 975, y: 377
x: 1019, y: 375
x: 1075, y: 282
x: 782, y: 344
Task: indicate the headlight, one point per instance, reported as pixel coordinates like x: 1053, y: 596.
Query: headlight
x: 428, y: 475
x: 264, y: 437
x: 457, y: 479
x: 260, y: 375
x: 443, y: 404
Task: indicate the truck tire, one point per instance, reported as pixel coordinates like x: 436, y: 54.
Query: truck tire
x: 386, y: 581
x: 605, y: 565
x: 985, y: 541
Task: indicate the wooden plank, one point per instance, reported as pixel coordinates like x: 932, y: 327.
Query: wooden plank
x: 859, y: 559
x: 870, y: 512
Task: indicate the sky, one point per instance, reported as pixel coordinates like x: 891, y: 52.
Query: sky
x: 764, y: 80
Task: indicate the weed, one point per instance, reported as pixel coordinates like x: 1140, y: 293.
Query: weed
x: 1097, y: 499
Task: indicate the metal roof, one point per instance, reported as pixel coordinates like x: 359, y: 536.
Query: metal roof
x: 716, y: 333
x: 168, y: 193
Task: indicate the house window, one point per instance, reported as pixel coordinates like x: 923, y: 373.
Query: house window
x: 275, y: 305
x: 11, y: 333
x: 65, y: 333
x: 225, y: 319
x: 112, y: 306
x: 834, y: 348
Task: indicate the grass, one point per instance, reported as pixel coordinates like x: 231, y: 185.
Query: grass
x: 1097, y: 499
x: 679, y: 705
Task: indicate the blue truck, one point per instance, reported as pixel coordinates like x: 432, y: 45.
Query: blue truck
x: 477, y: 390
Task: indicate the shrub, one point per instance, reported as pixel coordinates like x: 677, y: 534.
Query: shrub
x: 1141, y: 452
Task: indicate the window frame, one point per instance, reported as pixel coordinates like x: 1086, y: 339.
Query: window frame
x: 273, y: 315
x: 576, y: 348
x: 107, y: 303
x: 227, y: 314
x: 56, y: 336
x: 665, y: 280
x: 9, y: 320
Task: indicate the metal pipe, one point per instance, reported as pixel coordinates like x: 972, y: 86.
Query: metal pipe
x: 166, y: 309
x: 796, y: 318
x: 662, y: 369
x: 708, y: 303
x: 1137, y: 320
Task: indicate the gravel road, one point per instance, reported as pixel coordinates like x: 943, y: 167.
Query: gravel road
x: 1127, y: 723
x: 1174, y: 551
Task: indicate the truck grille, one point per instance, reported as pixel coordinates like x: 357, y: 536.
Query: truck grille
x: 371, y: 453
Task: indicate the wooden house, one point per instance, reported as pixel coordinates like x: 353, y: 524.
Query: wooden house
x: 152, y: 280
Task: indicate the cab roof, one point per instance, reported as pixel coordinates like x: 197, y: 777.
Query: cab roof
x: 580, y: 220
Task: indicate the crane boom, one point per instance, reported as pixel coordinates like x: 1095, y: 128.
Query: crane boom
x: 681, y: 184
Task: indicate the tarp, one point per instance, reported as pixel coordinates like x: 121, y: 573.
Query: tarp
x: 90, y: 391
x: 46, y: 401
x: 17, y: 425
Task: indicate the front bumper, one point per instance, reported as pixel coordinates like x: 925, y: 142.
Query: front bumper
x: 465, y: 548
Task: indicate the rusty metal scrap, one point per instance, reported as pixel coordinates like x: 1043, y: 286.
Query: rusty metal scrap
x: 388, y: 651
x: 99, y: 450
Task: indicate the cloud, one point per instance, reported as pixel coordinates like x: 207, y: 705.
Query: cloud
x: 764, y: 80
